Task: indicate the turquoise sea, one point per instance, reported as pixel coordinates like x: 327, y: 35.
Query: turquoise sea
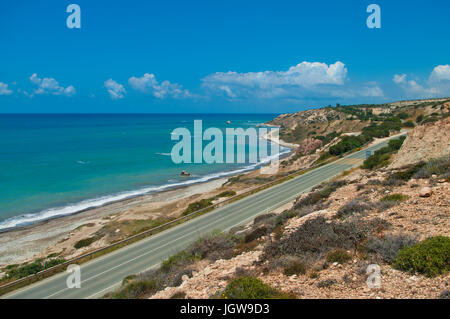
x: 53, y: 165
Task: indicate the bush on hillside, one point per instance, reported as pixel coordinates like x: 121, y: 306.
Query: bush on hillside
x: 387, y: 247
x: 430, y: 257
x: 339, y: 255
x: 251, y: 288
x: 381, y: 157
x: 193, y: 207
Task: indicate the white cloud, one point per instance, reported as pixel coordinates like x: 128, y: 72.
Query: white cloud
x: 438, y: 83
x: 115, y: 90
x: 4, y: 89
x: 399, y: 79
x: 50, y: 86
x: 440, y: 73
x: 148, y: 84
x: 371, y: 91
x: 412, y: 88
x: 304, y: 80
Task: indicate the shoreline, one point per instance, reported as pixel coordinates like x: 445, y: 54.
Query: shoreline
x: 21, y: 221
x: 28, y: 242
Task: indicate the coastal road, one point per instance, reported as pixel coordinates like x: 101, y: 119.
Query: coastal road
x: 106, y: 273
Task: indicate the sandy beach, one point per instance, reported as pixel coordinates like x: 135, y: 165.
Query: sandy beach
x: 26, y: 243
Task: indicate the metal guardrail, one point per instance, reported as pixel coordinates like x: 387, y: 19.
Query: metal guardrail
x: 56, y: 269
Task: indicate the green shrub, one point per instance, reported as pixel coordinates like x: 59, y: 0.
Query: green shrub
x: 135, y: 290
x: 440, y: 166
x: 284, y: 216
x: 407, y: 174
x: 394, y: 198
x: 349, y: 143
x: 25, y: 270
x: 356, y: 206
x: 212, y: 246
x: 381, y: 157
x: 85, y: 242
x: 295, y: 268
x: 376, y: 161
x: 328, y: 138
x: 383, y: 129
x: 323, y: 157
x: 178, y: 295
x: 193, y: 207
x: 183, y: 257
x: 430, y: 257
x: 317, y: 196
x: 226, y: 194
x: 317, y: 237
x: 235, y: 179
x: 408, y: 124
x: 252, y: 288
x: 430, y: 119
x: 339, y: 256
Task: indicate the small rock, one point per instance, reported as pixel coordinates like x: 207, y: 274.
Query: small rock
x: 425, y: 192
x: 434, y: 176
x: 184, y: 277
x: 442, y: 180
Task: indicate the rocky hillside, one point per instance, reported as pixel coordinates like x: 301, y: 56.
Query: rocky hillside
x: 380, y: 232
x: 325, y: 245
x: 323, y: 122
x: 424, y: 142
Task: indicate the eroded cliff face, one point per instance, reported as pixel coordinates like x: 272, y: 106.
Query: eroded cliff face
x: 423, y: 143
x: 309, y: 145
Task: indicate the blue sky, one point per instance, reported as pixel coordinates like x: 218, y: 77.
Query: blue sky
x: 219, y: 56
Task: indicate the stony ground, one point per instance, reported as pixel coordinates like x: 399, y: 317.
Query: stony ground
x: 420, y: 216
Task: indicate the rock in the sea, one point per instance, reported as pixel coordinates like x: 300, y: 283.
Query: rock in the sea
x: 425, y: 192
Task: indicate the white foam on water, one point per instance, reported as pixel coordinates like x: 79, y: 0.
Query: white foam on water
x: 28, y: 219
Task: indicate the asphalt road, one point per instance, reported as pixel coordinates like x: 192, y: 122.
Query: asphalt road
x: 106, y: 273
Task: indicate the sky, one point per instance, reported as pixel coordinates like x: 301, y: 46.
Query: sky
x: 178, y: 56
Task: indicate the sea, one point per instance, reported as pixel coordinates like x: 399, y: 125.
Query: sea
x: 52, y: 165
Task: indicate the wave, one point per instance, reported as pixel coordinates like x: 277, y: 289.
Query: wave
x: 70, y: 209
x: 164, y: 154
